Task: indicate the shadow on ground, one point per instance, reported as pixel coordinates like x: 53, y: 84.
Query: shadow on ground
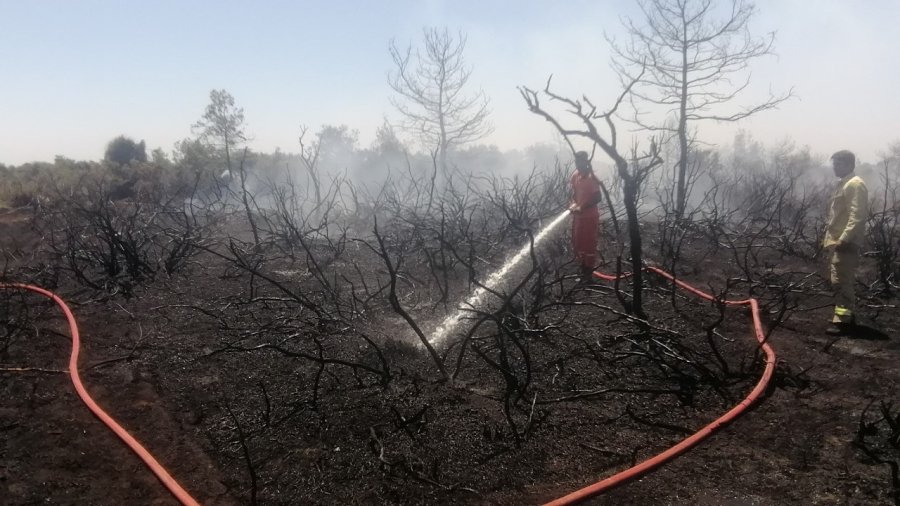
x: 867, y: 333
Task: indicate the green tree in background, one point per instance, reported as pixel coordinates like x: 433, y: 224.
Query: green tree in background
x: 222, y: 128
x: 123, y: 150
x: 222, y: 125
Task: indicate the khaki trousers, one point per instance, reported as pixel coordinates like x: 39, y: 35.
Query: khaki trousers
x: 844, y: 263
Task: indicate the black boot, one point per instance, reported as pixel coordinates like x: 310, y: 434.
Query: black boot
x: 841, y: 328
x: 586, y: 275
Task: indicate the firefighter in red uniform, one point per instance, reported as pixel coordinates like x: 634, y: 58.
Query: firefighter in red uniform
x: 585, y: 215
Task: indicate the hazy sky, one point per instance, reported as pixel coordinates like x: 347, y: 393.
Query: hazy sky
x: 75, y: 74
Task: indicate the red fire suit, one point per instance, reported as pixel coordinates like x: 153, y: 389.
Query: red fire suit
x: 586, y: 219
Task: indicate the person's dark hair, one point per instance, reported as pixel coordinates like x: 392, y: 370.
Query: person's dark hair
x: 582, y: 159
x: 845, y: 156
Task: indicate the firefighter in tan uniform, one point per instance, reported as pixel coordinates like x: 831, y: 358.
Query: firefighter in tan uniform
x: 844, y: 236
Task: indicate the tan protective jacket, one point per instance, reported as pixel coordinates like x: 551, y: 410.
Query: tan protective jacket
x: 847, y: 212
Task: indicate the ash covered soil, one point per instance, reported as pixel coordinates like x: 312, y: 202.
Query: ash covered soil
x: 218, y: 376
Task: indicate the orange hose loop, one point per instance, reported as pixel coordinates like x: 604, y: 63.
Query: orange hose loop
x: 133, y: 443
x: 572, y: 498
x: 689, y: 442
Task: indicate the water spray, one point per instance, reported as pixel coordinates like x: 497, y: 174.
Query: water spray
x: 477, y: 298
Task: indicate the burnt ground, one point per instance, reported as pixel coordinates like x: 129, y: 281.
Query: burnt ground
x: 173, y: 364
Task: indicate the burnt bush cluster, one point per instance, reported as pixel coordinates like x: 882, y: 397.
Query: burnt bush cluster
x: 109, y: 243
x: 339, y: 288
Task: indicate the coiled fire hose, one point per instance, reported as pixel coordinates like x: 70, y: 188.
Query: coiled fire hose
x: 575, y: 497
x: 689, y: 442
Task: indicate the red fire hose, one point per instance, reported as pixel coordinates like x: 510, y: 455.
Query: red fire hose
x: 658, y: 460
x: 572, y: 498
x: 148, y: 459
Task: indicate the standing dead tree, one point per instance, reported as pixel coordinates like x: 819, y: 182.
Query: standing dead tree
x: 884, y: 229
x: 431, y: 94
x: 687, y: 62
x: 633, y: 174
x: 309, y: 155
